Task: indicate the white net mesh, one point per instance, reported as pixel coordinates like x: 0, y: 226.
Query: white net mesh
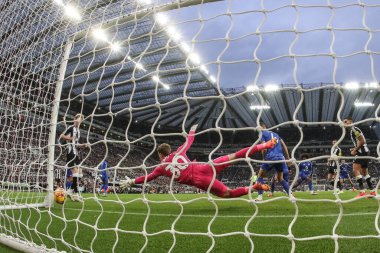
x: 142, y: 73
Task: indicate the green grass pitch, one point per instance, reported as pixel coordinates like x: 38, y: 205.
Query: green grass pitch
x: 119, y: 224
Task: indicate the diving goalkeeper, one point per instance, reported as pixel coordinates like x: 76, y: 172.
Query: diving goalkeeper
x: 176, y: 164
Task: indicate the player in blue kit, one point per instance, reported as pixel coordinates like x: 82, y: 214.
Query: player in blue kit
x: 273, y: 180
x: 276, y: 154
x: 306, y: 174
x: 104, y: 177
x: 344, y: 174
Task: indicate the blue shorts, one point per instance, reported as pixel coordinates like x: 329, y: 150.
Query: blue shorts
x: 343, y: 176
x: 69, y: 173
x: 304, y: 175
x: 279, y: 167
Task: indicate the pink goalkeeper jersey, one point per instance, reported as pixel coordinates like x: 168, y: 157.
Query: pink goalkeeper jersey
x: 176, y: 163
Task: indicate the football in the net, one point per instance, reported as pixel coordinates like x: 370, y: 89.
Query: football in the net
x: 59, y: 195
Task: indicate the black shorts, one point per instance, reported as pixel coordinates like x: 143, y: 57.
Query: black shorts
x: 332, y: 169
x: 72, y: 160
x: 363, y: 162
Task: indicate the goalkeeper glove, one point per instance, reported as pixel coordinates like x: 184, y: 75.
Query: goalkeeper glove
x: 194, y: 127
x: 127, y: 183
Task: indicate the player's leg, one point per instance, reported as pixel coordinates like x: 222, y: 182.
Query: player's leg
x: 340, y: 184
x: 309, y: 180
x: 221, y: 190
x: 69, y: 179
x: 280, y: 176
x: 260, y: 178
x: 351, y: 183
x: 301, y: 178
x: 272, y: 186
x: 367, y: 178
x: 222, y: 162
x: 359, y: 178
x: 105, y: 187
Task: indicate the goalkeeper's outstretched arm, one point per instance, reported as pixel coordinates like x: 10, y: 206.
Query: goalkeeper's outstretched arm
x: 128, y: 182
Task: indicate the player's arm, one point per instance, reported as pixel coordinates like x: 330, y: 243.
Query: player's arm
x: 140, y: 180
x: 67, y: 135
x: 190, y: 139
x: 359, y: 135
x: 285, y: 148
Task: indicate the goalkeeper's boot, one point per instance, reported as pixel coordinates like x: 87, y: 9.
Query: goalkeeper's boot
x: 258, y: 186
x: 271, y: 143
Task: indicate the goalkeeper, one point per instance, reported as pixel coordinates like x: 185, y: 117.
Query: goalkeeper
x: 176, y: 164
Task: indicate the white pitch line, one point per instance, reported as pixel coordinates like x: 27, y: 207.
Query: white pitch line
x: 227, y: 216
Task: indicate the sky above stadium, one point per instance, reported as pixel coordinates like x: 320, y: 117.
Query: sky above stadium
x: 208, y: 27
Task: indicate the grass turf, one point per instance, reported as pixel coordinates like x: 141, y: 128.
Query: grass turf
x: 116, y: 223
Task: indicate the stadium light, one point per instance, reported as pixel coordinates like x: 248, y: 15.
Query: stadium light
x: 99, y: 34
x: 373, y: 85
x: 212, y: 79
x: 161, y: 19
x: 145, y: 1
x: 156, y: 78
x: 173, y: 33
x: 271, y: 87
x: 139, y: 66
x: 204, y: 69
x: 72, y: 12
x: 194, y: 58
x: 259, y: 107
x: 167, y: 87
x: 363, y: 104
x: 252, y: 88
x: 59, y: 2
x: 115, y: 46
x: 351, y: 86
x: 185, y: 47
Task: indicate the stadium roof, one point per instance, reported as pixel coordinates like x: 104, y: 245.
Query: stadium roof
x: 154, y: 74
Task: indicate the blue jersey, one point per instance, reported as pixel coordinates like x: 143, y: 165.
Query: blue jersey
x: 344, y: 170
x: 103, y: 171
x: 306, y: 167
x: 276, y: 152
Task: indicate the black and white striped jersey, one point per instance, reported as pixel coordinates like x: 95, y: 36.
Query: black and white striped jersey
x: 73, y: 131
x: 338, y: 152
x: 57, y: 173
x: 355, y: 133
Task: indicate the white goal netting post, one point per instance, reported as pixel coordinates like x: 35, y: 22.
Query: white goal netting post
x: 163, y: 64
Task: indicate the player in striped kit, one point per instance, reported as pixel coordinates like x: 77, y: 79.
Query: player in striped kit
x: 332, y: 164
x: 70, y: 138
x: 360, y: 165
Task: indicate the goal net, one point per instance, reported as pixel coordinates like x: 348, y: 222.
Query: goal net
x: 141, y: 73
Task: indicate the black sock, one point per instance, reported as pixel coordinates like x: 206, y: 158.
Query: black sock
x: 74, y: 185
x: 369, y: 183
x: 340, y: 185
x: 360, y: 181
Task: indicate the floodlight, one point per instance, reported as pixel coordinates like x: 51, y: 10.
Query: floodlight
x: 271, y: 87
x: 351, y: 86
x: 72, y: 12
x: 162, y: 19
x: 363, y: 104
